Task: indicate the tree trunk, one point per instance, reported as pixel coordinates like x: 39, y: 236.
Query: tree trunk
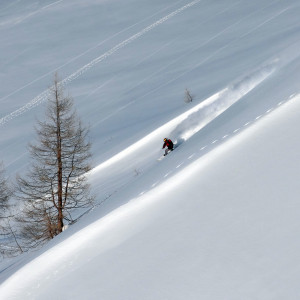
x: 60, y: 216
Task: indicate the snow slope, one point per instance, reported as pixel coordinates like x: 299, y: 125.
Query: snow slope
x: 216, y: 219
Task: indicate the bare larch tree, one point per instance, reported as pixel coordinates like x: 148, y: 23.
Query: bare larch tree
x: 56, y: 183
x: 5, y: 192
x: 8, y: 234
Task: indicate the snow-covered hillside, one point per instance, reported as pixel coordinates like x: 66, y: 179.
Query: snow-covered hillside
x: 219, y: 217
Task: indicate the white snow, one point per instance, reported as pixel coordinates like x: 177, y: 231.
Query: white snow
x: 219, y: 217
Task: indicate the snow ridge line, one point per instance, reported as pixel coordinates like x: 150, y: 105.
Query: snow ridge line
x: 44, y: 95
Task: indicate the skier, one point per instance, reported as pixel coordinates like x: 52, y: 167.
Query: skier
x: 169, y: 144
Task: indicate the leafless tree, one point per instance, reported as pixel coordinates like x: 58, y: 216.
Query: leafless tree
x: 56, y: 182
x: 10, y: 241
x: 187, y: 96
x: 9, y: 244
x: 5, y: 192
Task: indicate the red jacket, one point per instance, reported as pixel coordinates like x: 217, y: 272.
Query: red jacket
x: 168, y: 143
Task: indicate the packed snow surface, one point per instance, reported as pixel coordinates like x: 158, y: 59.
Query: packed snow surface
x: 219, y: 217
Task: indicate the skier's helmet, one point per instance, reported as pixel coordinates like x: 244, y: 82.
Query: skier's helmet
x: 165, y: 139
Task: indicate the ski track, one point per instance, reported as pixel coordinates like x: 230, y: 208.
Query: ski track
x: 44, y: 95
x: 218, y: 50
x: 37, y: 11
x: 196, y: 155
x: 115, y: 76
x: 21, y: 19
x: 185, y: 54
x: 84, y: 53
x: 210, y: 40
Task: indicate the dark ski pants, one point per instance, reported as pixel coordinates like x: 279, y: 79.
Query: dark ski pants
x: 168, y: 150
